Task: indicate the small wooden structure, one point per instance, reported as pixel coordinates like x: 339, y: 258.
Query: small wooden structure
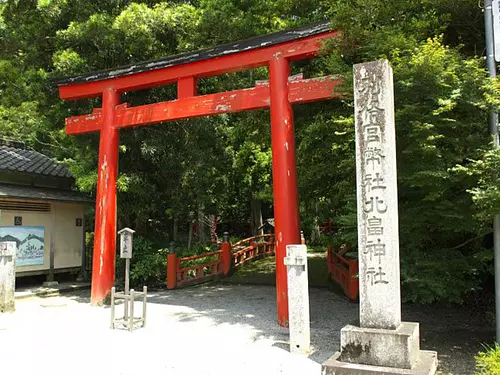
x: 130, y: 322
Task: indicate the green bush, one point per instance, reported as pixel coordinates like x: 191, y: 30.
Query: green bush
x: 488, y: 361
x: 148, y: 265
x: 445, y: 276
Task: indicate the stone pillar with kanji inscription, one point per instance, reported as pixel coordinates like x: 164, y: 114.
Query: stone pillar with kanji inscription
x: 7, y: 276
x: 381, y: 343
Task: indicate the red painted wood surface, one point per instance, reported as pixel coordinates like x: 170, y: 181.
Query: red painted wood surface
x: 179, y: 274
x: 298, y: 49
x: 103, y: 267
x: 198, y: 273
x: 226, y: 258
x: 252, y: 252
x: 186, y: 87
x: 172, y: 266
x: 344, y: 271
x: 279, y: 95
x: 286, y: 203
x: 302, y: 91
x: 244, y: 242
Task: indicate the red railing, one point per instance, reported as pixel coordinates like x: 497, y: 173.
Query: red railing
x: 186, y: 271
x: 196, y: 273
x: 344, y: 271
x: 252, y: 248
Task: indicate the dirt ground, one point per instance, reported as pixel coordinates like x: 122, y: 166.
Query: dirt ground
x: 191, y: 330
x: 216, y: 328
x: 457, y: 334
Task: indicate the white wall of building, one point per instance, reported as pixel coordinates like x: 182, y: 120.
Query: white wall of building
x: 60, y: 231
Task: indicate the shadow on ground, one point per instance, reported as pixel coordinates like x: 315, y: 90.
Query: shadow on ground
x: 248, y: 298
x: 456, y: 334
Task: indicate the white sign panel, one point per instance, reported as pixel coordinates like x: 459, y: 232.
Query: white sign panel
x: 496, y: 27
x: 126, y: 246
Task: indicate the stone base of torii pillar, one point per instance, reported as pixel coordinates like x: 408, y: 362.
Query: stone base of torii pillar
x: 382, y: 344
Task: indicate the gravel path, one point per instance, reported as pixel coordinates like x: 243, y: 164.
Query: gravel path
x: 213, y: 329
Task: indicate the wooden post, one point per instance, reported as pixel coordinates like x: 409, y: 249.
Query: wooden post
x: 50, y: 276
x: 113, y: 308
x: 171, y: 270
x: 131, y: 318
x: 127, y: 286
x: 144, y: 302
x: 83, y: 271
x: 103, y: 267
x: 226, y: 254
x: 286, y: 208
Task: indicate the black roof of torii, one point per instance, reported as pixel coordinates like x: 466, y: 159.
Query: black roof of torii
x: 209, y: 53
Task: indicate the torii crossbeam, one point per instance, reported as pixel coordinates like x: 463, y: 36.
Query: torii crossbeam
x: 275, y: 51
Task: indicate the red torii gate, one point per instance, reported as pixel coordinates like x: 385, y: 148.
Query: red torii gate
x: 275, y: 51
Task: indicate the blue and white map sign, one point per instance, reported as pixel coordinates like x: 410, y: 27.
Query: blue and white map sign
x: 30, y: 243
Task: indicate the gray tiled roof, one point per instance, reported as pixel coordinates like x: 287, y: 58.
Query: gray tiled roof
x: 29, y: 161
x: 37, y: 193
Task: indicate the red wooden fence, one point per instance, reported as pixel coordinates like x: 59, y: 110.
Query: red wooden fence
x: 185, y: 271
x: 344, y: 271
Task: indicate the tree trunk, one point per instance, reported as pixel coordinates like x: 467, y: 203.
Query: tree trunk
x: 256, y: 216
x: 190, y: 235
x: 213, y: 228
x: 201, y: 226
x: 315, y: 234
x: 175, y: 229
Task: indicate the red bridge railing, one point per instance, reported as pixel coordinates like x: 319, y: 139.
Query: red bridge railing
x: 216, y: 264
x: 252, y: 248
x: 344, y: 271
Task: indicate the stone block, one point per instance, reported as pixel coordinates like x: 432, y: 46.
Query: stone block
x: 50, y: 284
x: 381, y: 347
x: 426, y: 364
x: 377, y: 196
x: 298, y: 299
x: 7, y: 276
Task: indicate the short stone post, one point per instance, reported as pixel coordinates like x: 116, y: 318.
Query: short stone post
x: 226, y: 254
x: 381, y: 343
x: 171, y: 268
x: 298, y: 299
x: 7, y: 276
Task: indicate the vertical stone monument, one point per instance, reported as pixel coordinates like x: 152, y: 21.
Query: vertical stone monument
x: 382, y: 344
x: 298, y: 299
x: 7, y: 276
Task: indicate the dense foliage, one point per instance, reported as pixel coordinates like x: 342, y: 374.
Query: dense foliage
x: 448, y: 190
x: 488, y: 361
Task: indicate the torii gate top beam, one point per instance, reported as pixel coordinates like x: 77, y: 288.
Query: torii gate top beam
x: 294, y: 44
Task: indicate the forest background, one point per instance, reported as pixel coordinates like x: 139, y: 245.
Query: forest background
x: 173, y: 174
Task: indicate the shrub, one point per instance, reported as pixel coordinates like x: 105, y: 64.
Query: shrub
x: 148, y: 265
x: 488, y: 361
x: 445, y: 276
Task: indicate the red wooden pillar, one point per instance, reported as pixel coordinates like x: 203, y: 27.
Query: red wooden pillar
x: 172, y: 264
x: 103, y: 267
x: 286, y: 210
x: 227, y: 256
